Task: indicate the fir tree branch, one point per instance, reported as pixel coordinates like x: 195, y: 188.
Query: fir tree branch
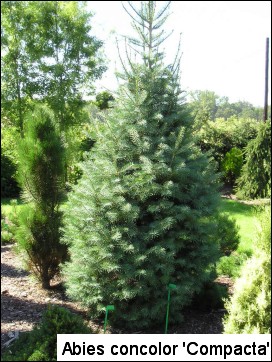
x: 139, y: 13
x: 123, y: 65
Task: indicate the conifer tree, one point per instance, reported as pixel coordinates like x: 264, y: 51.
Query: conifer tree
x: 255, y: 179
x: 41, y: 175
x: 141, y: 215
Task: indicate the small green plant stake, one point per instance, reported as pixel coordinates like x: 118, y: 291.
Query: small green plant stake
x: 108, y: 307
x: 170, y: 287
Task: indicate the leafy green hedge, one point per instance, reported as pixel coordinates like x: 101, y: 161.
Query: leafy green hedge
x: 221, y: 136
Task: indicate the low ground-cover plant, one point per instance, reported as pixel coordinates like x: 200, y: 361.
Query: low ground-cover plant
x: 231, y: 265
x: 6, y: 235
x: 10, y: 207
x: 41, y: 343
x: 9, y: 222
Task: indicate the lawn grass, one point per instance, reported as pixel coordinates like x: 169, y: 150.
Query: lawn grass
x: 8, y: 208
x: 246, y: 217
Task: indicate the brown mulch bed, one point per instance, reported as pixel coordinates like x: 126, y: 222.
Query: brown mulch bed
x: 22, y: 298
x: 23, y: 301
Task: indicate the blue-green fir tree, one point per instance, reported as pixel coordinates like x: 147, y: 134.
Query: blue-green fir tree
x: 142, y: 214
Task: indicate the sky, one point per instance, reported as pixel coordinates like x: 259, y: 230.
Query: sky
x: 222, y: 44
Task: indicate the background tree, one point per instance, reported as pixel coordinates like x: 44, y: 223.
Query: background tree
x: 203, y: 105
x: 245, y: 110
x: 208, y: 106
x: 48, y: 54
x: 255, y: 180
x: 17, y: 74
x: 103, y: 99
x: 139, y: 217
x: 41, y: 175
x: 225, y: 140
x: 66, y: 53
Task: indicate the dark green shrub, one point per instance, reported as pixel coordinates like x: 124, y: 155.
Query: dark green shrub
x: 9, y: 184
x: 41, y: 174
x: 77, y: 137
x: 227, y: 234
x: 38, y: 237
x: 212, y: 296
x: 41, y: 343
x: 232, y: 165
x: 231, y: 265
x: 250, y: 307
x: 103, y: 100
x: 255, y: 180
x: 9, y: 161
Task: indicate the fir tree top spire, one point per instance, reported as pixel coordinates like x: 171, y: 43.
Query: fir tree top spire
x: 147, y: 77
x: 148, y: 21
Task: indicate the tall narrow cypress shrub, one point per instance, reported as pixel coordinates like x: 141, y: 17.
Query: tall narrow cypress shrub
x: 140, y: 217
x: 41, y: 175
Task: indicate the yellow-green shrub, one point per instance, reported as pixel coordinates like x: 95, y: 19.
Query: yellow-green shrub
x: 250, y: 307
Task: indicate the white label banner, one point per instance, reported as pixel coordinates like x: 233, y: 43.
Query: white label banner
x: 164, y: 347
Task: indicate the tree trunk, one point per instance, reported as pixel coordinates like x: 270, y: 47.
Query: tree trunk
x: 45, y: 280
